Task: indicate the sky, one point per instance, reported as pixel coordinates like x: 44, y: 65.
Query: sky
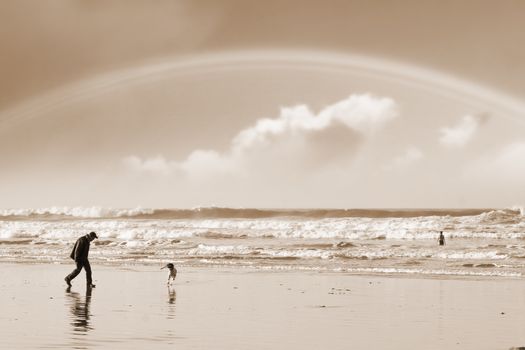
x: 274, y: 104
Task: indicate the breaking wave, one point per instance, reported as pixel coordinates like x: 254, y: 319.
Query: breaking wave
x: 123, y: 224
x: 479, y: 242
x: 514, y: 215
x: 74, y: 212
x: 238, y: 213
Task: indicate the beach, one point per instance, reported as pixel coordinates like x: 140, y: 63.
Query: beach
x: 311, y: 174
x: 239, y: 308
x: 264, y: 279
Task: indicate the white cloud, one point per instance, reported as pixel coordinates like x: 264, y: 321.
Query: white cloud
x: 296, y: 140
x: 361, y: 113
x: 460, y: 134
x: 411, y: 155
x: 202, y: 162
x: 156, y: 164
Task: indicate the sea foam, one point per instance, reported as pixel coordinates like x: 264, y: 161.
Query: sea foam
x: 483, y: 242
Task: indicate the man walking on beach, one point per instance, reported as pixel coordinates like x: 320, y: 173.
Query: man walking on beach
x: 80, y: 255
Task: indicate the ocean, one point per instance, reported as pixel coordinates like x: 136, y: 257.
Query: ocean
x: 479, y: 242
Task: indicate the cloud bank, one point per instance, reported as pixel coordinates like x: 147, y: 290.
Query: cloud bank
x: 296, y: 141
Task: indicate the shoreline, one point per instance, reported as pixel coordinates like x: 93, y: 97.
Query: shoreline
x: 370, y: 272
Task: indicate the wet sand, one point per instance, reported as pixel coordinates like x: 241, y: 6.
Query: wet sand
x: 132, y: 308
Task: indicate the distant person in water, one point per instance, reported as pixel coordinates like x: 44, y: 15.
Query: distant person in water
x: 441, y: 238
x: 80, y: 255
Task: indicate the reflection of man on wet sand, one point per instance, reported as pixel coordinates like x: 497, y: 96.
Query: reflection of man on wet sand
x: 80, y: 310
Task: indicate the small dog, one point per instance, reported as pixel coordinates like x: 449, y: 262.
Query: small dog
x: 173, y: 271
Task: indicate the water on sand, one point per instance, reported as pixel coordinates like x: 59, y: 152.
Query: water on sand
x: 132, y: 308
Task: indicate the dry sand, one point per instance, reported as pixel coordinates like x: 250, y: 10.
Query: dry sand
x: 131, y: 308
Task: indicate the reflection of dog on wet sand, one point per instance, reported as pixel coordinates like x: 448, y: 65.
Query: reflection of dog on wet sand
x: 173, y: 272
x: 172, y: 295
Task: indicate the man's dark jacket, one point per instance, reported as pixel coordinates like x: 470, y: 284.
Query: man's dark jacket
x: 81, y: 249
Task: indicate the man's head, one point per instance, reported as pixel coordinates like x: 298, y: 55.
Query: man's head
x: 92, y: 236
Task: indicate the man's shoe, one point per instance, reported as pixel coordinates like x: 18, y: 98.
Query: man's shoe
x: 68, y: 281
